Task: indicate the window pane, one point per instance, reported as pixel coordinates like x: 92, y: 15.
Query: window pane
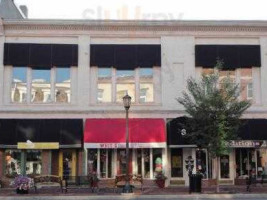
x: 157, y: 161
x: 146, y: 153
x: 41, y: 86
x: 92, y: 161
x: 19, y: 85
x: 123, y: 89
x: 246, y: 83
x: 33, y: 162
x: 139, y: 161
x: 146, y: 73
x: 225, y: 170
x: 67, y: 164
x: 125, y: 75
x: 176, y: 162
x: 104, y: 92
x: 104, y: 73
x: 110, y: 161
x: 62, y: 87
x: 146, y: 92
x: 13, y: 163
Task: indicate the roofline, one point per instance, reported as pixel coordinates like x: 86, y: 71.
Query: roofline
x: 242, y: 23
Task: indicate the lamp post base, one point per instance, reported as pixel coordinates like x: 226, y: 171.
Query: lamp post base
x: 127, y: 188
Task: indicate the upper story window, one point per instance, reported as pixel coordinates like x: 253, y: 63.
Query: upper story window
x: 19, y: 85
x: 125, y: 84
x: 46, y: 85
x: 41, y: 85
x: 62, y: 86
x: 113, y: 84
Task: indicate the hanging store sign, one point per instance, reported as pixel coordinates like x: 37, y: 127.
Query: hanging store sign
x: 248, y: 144
x: 38, y: 145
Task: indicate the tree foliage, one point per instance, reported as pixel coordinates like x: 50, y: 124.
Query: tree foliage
x: 214, y: 111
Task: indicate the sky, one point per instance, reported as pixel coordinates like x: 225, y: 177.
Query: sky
x: 147, y: 9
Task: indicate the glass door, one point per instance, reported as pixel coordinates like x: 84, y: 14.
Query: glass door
x: 67, y: 163
x: 121, y: 161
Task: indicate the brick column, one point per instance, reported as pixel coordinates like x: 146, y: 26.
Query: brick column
x: 46, y: 162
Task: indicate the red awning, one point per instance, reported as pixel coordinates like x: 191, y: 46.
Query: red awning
x: 110, y: 133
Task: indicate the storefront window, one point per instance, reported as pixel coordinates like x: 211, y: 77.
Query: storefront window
x: 41, y: 85
x: 19, y: 85
x: 146, y: 154
x: 92, y: 161
x: 33, y: 162
x: 62, y: 87
x: 157, y: 161
x: 245, y: 162
x: 110, y: 163
x: 103, y: 163
x: 67, y: 164
x: 176, y: 162
x: 139, y: 161
x: 201, y: 162
x: 261, y: 162
x: 13, y: 163
x: 225, y: 167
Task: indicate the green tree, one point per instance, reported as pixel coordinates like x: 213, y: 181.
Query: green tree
x: 214, y: 110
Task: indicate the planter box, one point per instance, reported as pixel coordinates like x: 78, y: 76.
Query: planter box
x: 240, y: 181
x: 208, y: 182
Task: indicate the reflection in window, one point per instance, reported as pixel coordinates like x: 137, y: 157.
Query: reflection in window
x: 146, y: 92
x: 41, y: 85
x: 176, y: 162
x: 201, y: 162
x: 146, y: 153
x: 92, y: 161
x: 125, y: 83
x: 33, y: 162
x: 157, y: 161
x: 104, y: 92
x: 19, y: 85
x: 63, y: 83
x: 123, y: 89
x: 246, y: 83
x: 225, y: 170
x: 13, y: 163
x: 104, y: 86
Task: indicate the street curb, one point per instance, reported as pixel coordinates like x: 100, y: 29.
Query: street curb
x: 115, y: 197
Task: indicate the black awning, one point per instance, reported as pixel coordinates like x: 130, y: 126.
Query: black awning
x: 125, y: 56
x: 250, y: 129
x: 40, y: 55
x: 67, y: 132
x: 233, y: 56
x: 174, y: 132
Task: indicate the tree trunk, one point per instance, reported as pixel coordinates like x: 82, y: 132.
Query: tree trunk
x: 217, y: 174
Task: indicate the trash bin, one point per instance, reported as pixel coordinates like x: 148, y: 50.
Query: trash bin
x: 195, y: 183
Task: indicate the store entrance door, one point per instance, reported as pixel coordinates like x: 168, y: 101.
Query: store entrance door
x: 67, y: 163
x: 121, y: 161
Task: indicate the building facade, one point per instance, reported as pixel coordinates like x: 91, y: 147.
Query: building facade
x: 62, y: 83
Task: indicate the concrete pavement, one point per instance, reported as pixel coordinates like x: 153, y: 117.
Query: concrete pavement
x: 143, y: 197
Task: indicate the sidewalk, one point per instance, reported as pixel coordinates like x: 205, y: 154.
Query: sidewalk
x: 166, y: 192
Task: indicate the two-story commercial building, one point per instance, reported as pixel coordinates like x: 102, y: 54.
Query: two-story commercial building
x: 62, y: 83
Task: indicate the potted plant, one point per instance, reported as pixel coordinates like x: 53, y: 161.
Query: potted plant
x: 93, y: 180
x: 22, y: 184
x: 160, y: 179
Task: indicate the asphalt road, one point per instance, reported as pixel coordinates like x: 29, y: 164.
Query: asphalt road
x: 143, y: 197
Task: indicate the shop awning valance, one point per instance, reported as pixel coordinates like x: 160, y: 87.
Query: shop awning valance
x: 233, y: 56
x: 125, y: 56
x: 110, y: 133
x: 251, y: 132
x: 40, y: 55
x: 67, y: 132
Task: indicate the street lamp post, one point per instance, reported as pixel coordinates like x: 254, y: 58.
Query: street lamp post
x: 127, y: 104
x: 189, y: 165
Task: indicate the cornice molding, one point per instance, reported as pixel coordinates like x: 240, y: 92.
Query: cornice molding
x: 143, y: 26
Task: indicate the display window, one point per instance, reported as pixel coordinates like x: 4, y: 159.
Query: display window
x: 176, y: 162
x: 224, y: 166
x: 12, y: 163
